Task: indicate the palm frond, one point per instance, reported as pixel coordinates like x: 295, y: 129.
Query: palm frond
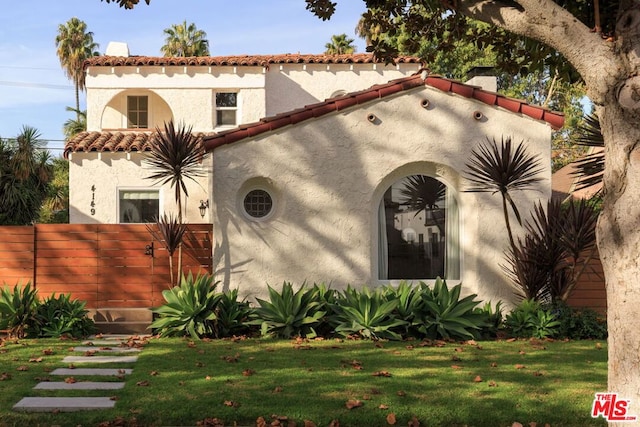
x: 590, y: 168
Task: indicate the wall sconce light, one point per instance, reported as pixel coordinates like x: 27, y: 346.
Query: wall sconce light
x: 204, y: 204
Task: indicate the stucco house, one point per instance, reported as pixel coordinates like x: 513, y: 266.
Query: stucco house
x: 315, y: 190
x: 128, y: 97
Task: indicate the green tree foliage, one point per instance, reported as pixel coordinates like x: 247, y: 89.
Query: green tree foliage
x: 72, y: 127
x: 25, y: 172
x: 339, y: 44
x: 74, y: 44
x: 182, y: 40
x: 55, y: 208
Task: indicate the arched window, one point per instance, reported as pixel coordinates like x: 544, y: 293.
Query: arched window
x: 418, y: 231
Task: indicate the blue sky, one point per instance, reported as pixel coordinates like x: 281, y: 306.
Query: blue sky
x: 34, y: 90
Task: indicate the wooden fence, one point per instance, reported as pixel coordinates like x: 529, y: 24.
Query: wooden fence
x: 590, y: 290
x: 107, y: 265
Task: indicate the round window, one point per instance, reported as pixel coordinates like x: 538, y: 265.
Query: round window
x: 258, y: 203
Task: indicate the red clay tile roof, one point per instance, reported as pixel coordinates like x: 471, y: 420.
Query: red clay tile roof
x: 555, y: 119
x: 239, y: 60
x: 125, y: 141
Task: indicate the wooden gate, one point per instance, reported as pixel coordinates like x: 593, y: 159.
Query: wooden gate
x: 107, y: 265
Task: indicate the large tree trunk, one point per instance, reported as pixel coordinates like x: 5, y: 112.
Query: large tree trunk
x: 619, y: 245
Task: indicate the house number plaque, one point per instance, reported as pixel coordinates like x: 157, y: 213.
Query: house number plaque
x: 93, y: 200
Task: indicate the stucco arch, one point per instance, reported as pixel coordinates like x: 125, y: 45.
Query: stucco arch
x: 443, y: 173
x: 114, y: 114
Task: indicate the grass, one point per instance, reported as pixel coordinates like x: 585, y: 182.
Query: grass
x: 490, y: 384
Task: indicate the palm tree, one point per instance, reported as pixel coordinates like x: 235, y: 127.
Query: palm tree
x: 72, y: 127
x: 184, y: 40
x: 339, y: 44
x: 25, y: 171
x: 423, y: 193
x: 74, y: 45
x: 367, y: 30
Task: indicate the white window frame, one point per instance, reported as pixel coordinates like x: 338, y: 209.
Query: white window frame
x: 236, y: 108
x: 122, y: 190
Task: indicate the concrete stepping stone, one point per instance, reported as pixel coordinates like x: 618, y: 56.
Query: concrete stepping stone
x: 107, y: 372
x: 80, y: 385
x: 106, y: 349
x: 100, y: 359
x: 63, y: 404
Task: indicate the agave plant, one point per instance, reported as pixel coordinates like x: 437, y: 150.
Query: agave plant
x: 62, y: 316
x: 190, y: 309
x: 287, y: 313
x: 503, y: 169
x: 18, y: 309
x: 368, y: 314
x: 410, y: 304
x: 445, y: 315
x: 232, y: 316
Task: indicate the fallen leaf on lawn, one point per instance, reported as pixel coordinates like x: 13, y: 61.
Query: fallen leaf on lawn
x: 89, y: 353
x: 47, y: 352
x: 199, y: 364
x: 5, y: 376
x: 375, y: 391
x: 477, y: 379
x: 122, y: 371
x: 493, y: 384
x: 113, y: 398
x: 381, y: 374
x: 518, y: 366
x: 248, y: 372
x: 208, y: 377
x: 413, y: 422
x: 383, y: 406
x: 231, y: 403
x: 142, y: 383
x: 70, y: 380
x: 537, y: 374
x: 456, y: 367
x: 105, y: 348
x: 43, y: 379
x: 511, y: 340
x: 352, y: 403
x: 366, y: 397
x: 153, y: 373
x: 516, y: 424
x: 35, y: 360
x: 522, y: 352
x: 494, y: 365
x: 598, y: 346
x: 401, y: 393
x: 458, y: 349
x: 455, y: 358
x: 472, y: 342
x: 309, y: 423
x: 231, y: 359
x: 533, y: 424
x: 391, y: 419
x: 210, y: 422
x: 180, y: 382
x: 277, y: 390
x: 357, y: 367
x: 22, y: 368
x: 409, y: 347
x: 260, y: 422
x: 334, y: 423
x: 191, y: 344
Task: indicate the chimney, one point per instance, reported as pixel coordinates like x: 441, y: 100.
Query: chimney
x: 117, y: 49
x: 483, y: 76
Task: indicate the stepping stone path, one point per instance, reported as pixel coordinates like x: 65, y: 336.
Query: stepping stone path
x: 94, y: 351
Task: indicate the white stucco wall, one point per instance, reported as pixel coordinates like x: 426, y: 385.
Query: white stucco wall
x: 188, y: 92
x: 328, y: 176
x: 109, y: 173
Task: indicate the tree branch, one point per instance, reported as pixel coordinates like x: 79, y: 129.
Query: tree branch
x: 549, y: 23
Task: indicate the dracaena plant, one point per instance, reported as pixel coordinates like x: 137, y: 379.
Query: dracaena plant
x: 289, y: 313
x: 503, y: 168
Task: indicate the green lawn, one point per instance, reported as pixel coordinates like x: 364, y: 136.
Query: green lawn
x: 181, y: 383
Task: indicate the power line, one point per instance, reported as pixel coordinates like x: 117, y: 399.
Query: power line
x: 35, y: 85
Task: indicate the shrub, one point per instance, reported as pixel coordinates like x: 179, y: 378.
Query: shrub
x: 531, y: 319
x: 232, y: 316
x: 189, y: 309
x: 410, y: 306
x: 288, y: 313
x: 58, y: 316
x: 493, y: 319
x: 18, y: 309
x: 368, y: 314
x: 579, y: 324
x: 445, y: 315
